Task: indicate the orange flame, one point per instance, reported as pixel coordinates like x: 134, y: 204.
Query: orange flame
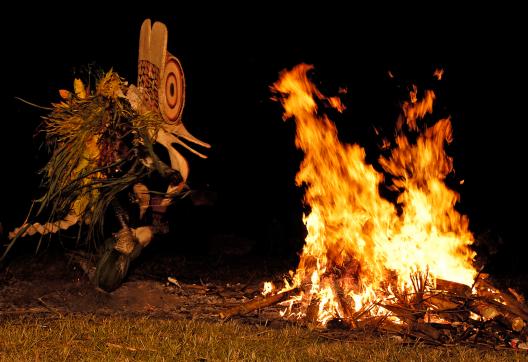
x: 438, y: 73
x: 358, y: 246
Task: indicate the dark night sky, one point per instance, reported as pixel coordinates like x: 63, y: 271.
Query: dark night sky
x: 230, y: 61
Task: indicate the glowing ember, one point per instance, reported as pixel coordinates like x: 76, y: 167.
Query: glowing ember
x: 268, y: 288
x: 359, y: 248
x: 438, y: 73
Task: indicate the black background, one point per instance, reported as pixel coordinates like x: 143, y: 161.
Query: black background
x: 232, y: 56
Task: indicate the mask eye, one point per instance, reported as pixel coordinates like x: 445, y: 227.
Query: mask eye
x: 172, y: 90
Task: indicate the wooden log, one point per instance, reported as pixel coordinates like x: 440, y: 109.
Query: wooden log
x: 447, y: 316
x: 486, y: 289
x: 461, y: 290
x: 446, y: 309
x: 484, y: 309
x: 407, y: 314
x: 496, y: 311
x: 344, y: 304
x: 257, y: 303
x: 441, y: 302
x: 512, y: 321
x: 383, y: 324
x: 426, y: 329
x: 312, y: 312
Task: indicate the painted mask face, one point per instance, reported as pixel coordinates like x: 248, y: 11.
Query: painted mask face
x: 161, y: 88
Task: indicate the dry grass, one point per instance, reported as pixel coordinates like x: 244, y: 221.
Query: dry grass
x: 121, y: 339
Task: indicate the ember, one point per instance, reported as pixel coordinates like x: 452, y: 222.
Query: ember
x: 405, y: 268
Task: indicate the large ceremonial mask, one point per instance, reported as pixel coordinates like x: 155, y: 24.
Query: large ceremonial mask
x: 101, y: 141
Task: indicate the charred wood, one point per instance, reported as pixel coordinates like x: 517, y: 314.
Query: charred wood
x: 257, y: 303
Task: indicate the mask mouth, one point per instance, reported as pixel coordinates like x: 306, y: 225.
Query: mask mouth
x: 178, y: 133
x: 170, y: 134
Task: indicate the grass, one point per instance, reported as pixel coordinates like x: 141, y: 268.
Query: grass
x: 143, y: 339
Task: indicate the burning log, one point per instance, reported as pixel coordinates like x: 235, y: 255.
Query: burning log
x: 312, y: 312
x: 512, y: 321
x: 441, y: 303
x: 445, y: 308
x: 486, y: 289
x: 483, y: 309
x: 344, y: 305
x: 461, y: 290
x: 407, y: 314
x: 257, y: 303
x: 491, y: 310
x: 428, y: 318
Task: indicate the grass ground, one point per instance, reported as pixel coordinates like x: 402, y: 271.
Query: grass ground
x: 143, y: 339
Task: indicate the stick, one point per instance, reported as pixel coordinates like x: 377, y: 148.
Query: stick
x: 257, y: 303
x: 26, y: 310
x: 50, y: 307
x: 128, y: 348
x: 517, y: 296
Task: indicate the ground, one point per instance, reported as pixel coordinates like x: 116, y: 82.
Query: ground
x: 168, y: 308
x: 163, y: 283
x: 168, y: 286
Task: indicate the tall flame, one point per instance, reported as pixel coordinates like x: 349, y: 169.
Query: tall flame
x: 358, y: 245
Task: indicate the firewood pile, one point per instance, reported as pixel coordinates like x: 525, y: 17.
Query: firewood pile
x: 448, y: 314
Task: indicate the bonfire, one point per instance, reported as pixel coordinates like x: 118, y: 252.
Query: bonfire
x: 402, y: 267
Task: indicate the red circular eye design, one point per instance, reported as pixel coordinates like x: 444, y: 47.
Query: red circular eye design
x: 172, y: 90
